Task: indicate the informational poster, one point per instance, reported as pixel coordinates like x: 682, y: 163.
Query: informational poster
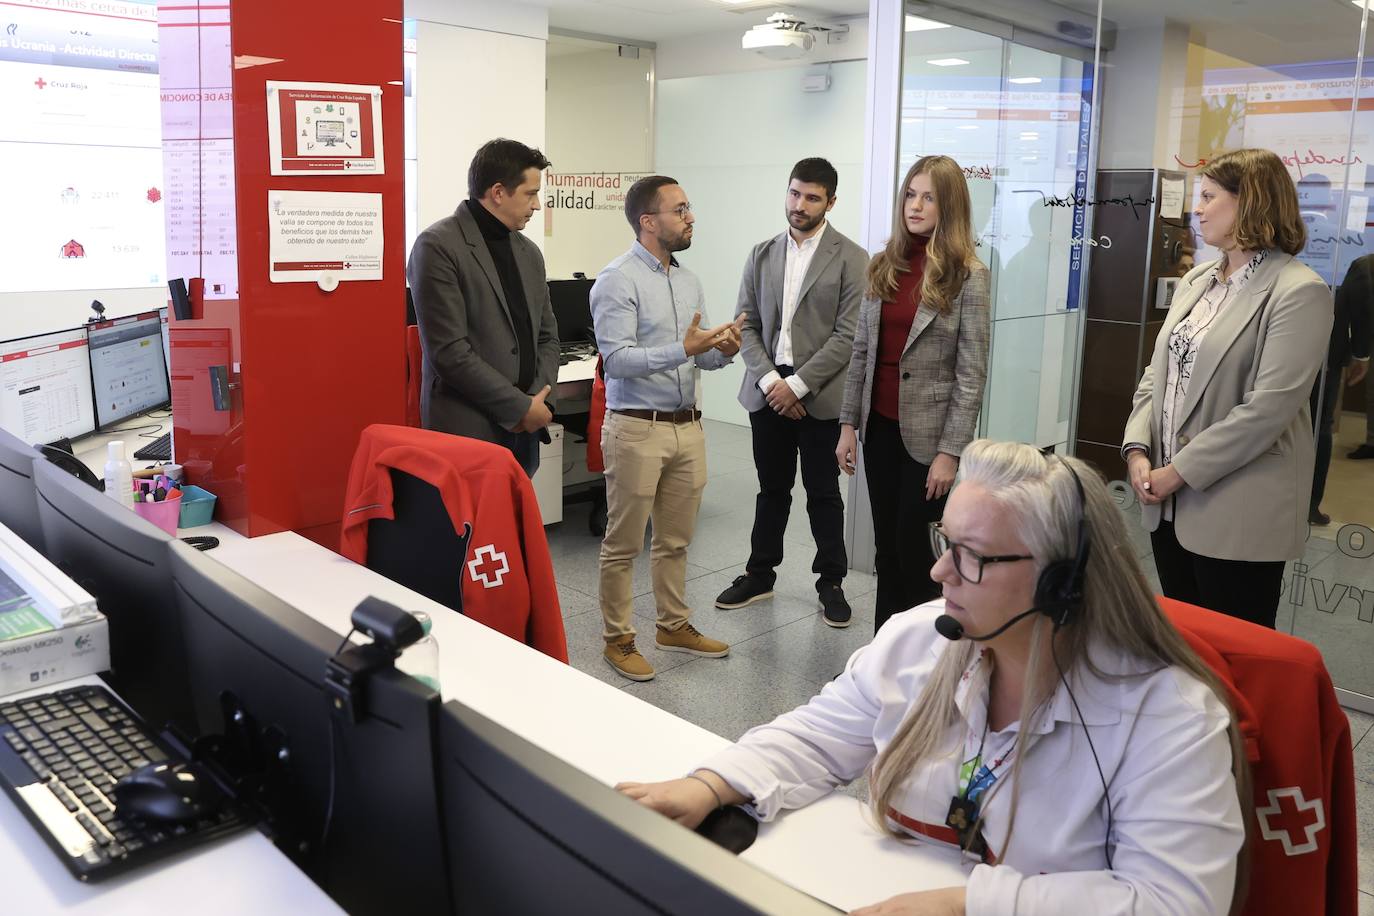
x: 324, y: 237
x: 324, y: 129
x: 1171, y: 198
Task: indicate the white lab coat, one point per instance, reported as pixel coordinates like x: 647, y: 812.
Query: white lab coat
x: 1160, y: 736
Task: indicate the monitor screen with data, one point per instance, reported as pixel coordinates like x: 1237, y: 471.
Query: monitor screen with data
x: 127, y: 367
x: 45, y: 387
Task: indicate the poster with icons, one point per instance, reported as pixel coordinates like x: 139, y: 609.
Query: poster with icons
x: 324, y: 129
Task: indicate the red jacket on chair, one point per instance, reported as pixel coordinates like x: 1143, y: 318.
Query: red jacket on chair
x: 507, y: 577
x: 1303, y: 852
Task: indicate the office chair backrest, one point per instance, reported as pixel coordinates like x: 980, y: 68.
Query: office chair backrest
x: 419, y: 548
x: 18, y: 501
x: 1303, y: 849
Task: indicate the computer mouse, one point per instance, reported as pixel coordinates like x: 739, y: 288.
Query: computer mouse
x: 167, y: 791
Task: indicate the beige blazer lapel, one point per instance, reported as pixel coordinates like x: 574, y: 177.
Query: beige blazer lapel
x: 1184, y: 300
x: 1228, y: 324
x: 473, y: 236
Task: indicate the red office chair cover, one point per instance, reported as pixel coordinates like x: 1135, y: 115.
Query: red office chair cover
x: 415, y: 373
x: 507, y: 576
x: 1304, y: 851
x: 596, y: 416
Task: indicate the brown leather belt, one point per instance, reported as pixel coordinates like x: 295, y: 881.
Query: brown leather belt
x: 667, y: 416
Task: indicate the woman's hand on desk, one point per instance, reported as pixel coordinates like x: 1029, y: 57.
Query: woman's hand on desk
x: 686, y: 801
x: 947, y: 901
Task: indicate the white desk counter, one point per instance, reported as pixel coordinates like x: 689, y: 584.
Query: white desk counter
x: 235, y: 875
x: 828, y: 850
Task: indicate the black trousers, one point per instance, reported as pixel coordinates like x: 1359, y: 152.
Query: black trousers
x: 1325, y: 415
x: 1241, y: 588
x: 778, y: 442
x: 901, y: 520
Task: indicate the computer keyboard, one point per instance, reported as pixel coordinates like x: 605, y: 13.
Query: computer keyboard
x: 61, y: 754
x: 160, y: 449
x: 571, y: 352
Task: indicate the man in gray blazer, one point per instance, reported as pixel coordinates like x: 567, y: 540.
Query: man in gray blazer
x: 486, y: 321
x: 800, y: 298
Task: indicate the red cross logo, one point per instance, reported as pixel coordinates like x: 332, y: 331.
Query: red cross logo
x: 40, y: 82
x: 488, y: 566
x: 1288, y: 816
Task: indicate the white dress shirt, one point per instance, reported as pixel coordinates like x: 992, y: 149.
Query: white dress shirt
x: 1160, y: 734
x: 793, y: 275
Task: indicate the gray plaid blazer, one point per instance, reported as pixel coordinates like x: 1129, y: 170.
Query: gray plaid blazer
x: 944, y: 371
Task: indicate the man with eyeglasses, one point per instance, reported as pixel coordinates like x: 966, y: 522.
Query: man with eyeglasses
x: 647, y: 310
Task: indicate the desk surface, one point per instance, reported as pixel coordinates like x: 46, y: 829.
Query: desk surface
x: 584, y: 721
x: 244, y: 873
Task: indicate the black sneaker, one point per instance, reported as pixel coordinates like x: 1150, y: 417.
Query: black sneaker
x: 834, y: 609
x: 1361, y: 453
x: 744, y: 590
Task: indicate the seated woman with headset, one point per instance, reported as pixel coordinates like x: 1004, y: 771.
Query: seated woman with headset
x: 970, y: 717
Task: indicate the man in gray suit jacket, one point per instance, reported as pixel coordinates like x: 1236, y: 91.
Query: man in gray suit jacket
x: 486, y: 321
x: 800, y: 297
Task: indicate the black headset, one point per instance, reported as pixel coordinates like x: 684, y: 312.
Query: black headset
x: 1059, y: 590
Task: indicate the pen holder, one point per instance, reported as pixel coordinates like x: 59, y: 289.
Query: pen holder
x: 197, y: 506
x: 164, y: 514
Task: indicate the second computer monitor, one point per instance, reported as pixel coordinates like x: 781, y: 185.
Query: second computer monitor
x: 122, y: 560
x: 572, y: 308
x: 353, y: 803
x: 528, y: 833
x: 128, y: 371
x: 45, y: 386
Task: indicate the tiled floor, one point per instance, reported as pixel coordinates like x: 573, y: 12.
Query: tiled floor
x: 781, y: 652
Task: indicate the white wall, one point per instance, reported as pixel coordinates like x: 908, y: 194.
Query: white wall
x: 598, y: 120
x: 470, y: 87
x: 731, y: 141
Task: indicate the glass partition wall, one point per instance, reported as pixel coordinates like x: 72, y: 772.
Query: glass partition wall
x: 1081, y: 127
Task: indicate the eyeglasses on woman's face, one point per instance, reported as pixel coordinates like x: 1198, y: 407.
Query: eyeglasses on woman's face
x: 967, y: 561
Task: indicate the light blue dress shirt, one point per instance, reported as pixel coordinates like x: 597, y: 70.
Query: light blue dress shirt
x: 641, y: 313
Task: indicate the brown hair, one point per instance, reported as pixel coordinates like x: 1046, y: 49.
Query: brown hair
x: 949, y: 255
x: 1267, y: 203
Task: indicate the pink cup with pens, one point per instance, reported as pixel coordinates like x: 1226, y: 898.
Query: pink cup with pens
x: 164, y: 513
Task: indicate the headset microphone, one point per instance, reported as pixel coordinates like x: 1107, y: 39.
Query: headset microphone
x: 952, y: 629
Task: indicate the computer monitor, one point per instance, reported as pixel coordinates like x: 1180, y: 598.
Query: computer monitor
x: 45, y: 386
x: 18, y: 501
x: 249, y: 652
x: 122, y: 560
x: 166, y: 344
x: 573, y: 309
x: 528, y: 833
x: 128, y: 371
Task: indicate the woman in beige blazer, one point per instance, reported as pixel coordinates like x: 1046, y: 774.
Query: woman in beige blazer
x: 915, y: 382
x: 1219, y: 442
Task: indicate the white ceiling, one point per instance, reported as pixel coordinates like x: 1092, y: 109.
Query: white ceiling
x: 658, y: 20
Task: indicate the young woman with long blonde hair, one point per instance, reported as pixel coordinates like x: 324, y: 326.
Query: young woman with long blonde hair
x: 915, y: 383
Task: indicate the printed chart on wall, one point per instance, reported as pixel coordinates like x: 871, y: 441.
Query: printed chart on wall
x: 79, y: 146
x: 324, y: 129
x: 324, y: 237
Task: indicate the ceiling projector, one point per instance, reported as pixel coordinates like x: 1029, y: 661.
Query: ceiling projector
x: 782, y: 37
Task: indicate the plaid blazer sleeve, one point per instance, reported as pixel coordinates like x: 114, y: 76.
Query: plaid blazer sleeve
x: 851, y: 410
x: 970, y: 364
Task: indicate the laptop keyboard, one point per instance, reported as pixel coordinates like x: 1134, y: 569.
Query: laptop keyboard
x: 60, y: 756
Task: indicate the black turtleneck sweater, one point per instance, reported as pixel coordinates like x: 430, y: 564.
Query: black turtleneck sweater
x: 499, y: 246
